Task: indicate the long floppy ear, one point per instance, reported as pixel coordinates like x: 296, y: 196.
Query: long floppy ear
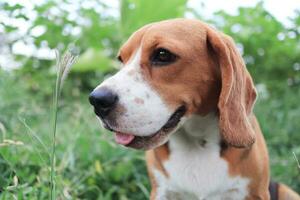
x: 238, y: 93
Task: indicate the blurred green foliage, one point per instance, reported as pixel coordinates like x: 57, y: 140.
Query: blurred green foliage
x: 271, y: 51
x: 90, y: 165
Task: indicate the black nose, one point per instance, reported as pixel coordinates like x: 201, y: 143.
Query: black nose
x: 103, y: 101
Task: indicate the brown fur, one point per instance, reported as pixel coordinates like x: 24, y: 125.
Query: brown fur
x: 209, y: 76
x: 252, y: 163
x: 154, y: 159
x: 285, y: 193
x: 237, y: 95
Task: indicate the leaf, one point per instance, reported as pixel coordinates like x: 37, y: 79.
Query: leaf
x: 98, y: 167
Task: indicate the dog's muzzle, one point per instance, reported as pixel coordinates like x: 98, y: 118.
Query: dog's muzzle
x: 107, y: 106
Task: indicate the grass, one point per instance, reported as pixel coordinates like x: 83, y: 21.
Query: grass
x: 89, y: 165
x: 63, y: 67
x: 296, y: 160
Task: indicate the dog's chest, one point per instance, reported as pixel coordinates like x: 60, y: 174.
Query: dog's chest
x: 196, y: 171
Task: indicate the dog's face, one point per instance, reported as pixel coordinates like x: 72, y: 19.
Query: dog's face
x: 168, y: 72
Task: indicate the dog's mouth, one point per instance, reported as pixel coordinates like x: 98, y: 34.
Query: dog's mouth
x: 148, y: 142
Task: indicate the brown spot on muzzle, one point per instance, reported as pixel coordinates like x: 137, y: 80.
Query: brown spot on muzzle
x: 138, y: 100
x: 131, y: 72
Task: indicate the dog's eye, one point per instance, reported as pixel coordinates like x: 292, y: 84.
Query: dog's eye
x: 120, y: 58
x: 162, y: 57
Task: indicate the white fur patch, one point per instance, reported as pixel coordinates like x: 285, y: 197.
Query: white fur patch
x: 195, y: 168
x: 145, y: 112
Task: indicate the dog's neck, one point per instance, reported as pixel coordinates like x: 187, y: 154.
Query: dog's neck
x: 197, y: 131
x: 195, y: 160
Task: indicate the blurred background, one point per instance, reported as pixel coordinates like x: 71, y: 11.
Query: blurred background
x: 89, y: 164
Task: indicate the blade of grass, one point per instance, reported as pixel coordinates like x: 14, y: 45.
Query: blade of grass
x: 54, y: 126
x: 34, y: 135
x: 63, y: 67
x: 296, y: 159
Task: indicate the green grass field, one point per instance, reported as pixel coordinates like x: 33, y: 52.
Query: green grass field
x: 89, y: 164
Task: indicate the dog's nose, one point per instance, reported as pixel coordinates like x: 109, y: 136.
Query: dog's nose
x: 103, y: 101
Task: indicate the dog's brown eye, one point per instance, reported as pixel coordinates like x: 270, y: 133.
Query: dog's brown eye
x: 120, y: 59
x: 162, y: 57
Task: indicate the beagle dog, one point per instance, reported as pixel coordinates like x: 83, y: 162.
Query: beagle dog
x: 183, y: 93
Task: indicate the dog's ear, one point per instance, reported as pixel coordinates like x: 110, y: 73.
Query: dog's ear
x: 238, y: 93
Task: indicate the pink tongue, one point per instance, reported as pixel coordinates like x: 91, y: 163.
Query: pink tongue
x: 122, y: 138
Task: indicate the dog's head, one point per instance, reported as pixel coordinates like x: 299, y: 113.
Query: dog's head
x: 169, y: 71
